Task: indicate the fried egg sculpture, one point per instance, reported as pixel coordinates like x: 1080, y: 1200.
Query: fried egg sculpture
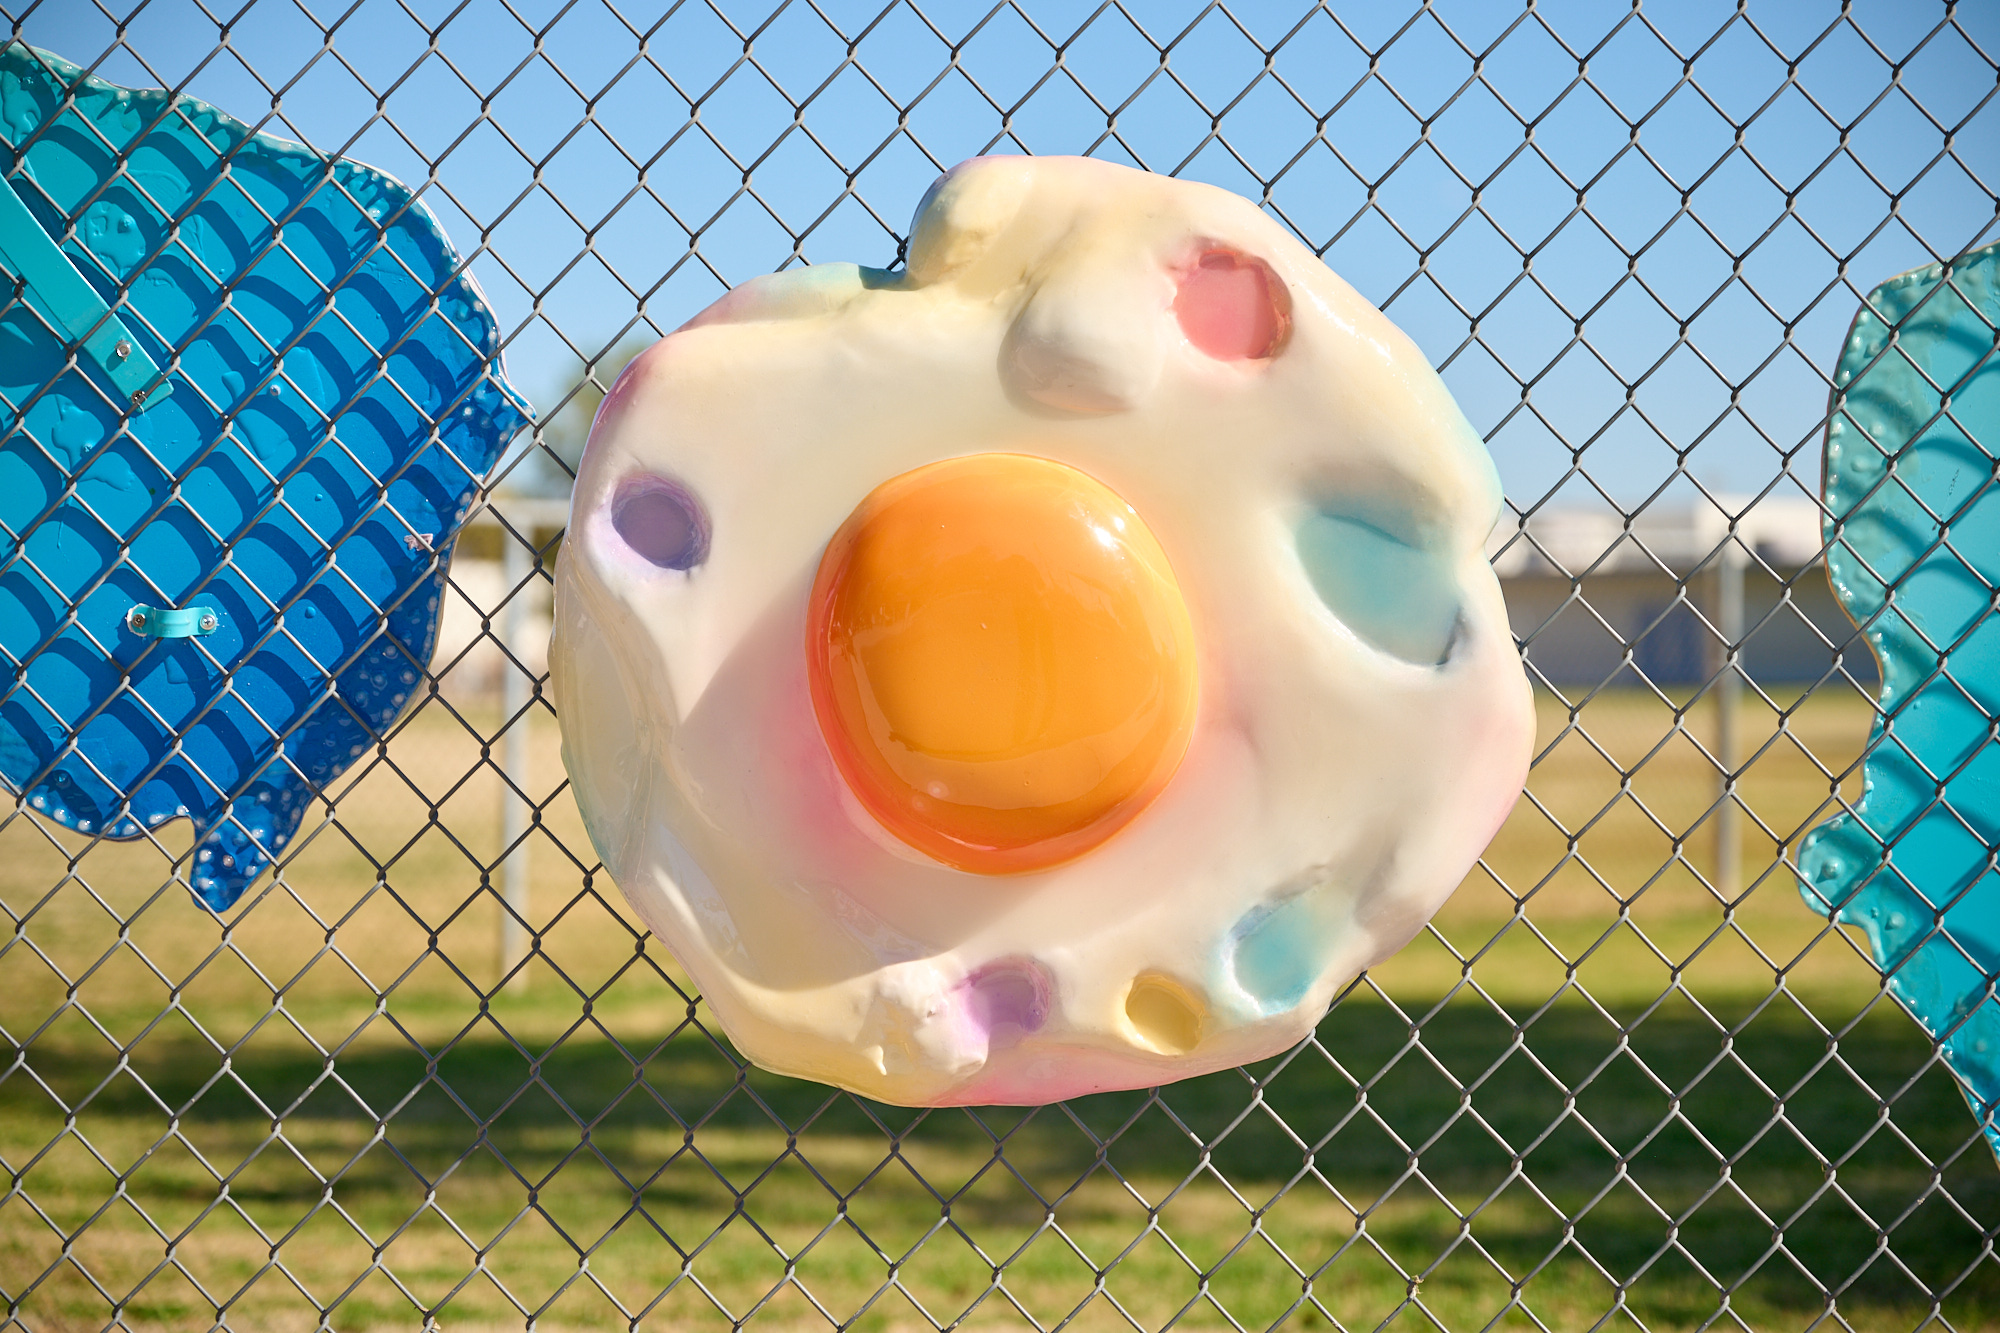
x: 1061, y: 666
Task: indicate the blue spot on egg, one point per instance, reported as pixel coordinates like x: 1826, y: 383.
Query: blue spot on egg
x: 1396, y: 595
x: 1280, y: 947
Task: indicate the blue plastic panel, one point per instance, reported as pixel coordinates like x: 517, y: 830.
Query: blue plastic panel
x: 330, y: 426
x: 1914, y: 556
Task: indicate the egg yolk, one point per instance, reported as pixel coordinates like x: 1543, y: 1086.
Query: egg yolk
x: 1001, y: 661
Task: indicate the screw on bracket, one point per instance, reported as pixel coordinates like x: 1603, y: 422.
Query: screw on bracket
x: 166, y: 622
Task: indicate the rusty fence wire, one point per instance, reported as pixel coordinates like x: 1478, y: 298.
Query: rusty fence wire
x: 430, y: 1072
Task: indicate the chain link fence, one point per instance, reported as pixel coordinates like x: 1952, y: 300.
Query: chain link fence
x: 430, y: 1072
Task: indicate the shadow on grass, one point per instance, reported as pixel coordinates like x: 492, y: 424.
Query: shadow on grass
x: 1676, y: 1157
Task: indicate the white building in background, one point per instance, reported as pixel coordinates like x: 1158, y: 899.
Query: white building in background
x: 481, y: 592
x: 1782, y: 531
x: 1584, y: 587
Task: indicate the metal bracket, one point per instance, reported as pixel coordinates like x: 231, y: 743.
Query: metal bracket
x: 64, y: 297
x: 166, y: 622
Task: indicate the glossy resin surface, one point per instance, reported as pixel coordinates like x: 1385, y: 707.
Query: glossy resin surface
x: 1060, y: 666
x: 331, y: 417
x: 1000, y: 661
x: 1913, y: 534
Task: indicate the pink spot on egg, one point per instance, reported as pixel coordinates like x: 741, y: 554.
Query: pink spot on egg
x: 626, y: 388
x: 1233, y: 307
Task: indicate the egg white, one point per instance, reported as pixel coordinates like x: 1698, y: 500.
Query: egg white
x: 1329, y: 788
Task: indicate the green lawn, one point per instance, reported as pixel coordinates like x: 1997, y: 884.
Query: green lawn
x: 1590, y: 1034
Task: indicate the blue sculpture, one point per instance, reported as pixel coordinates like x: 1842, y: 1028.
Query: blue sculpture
x: 1913, y: 533
x: 234, y: 456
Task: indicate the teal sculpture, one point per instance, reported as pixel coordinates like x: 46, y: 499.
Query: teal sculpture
x: 1913, y: 551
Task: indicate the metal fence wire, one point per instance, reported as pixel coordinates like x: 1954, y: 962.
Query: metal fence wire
x: 430, y: 1071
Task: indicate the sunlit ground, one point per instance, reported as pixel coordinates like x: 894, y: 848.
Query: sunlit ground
x: 1633, y: 1093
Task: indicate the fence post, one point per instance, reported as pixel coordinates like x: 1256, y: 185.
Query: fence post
x: 1728, y: 702
x: 517, y: 565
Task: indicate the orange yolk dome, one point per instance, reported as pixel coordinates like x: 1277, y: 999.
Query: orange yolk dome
x: 1001, y: 661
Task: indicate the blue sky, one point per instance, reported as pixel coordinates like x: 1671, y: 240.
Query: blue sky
x: 1483, y: 173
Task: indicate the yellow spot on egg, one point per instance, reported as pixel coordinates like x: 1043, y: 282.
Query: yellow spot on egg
x: 1164, y: 1013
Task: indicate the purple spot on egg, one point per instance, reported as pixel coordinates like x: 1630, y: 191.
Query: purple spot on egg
x: 1008, y: 997
x: 661, y: 521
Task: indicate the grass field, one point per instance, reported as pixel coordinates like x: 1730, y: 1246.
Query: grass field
x: 1595, y: 1093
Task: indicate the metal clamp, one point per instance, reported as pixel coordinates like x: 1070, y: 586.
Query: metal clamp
x: 63, y: 297
x: 166, y: 622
